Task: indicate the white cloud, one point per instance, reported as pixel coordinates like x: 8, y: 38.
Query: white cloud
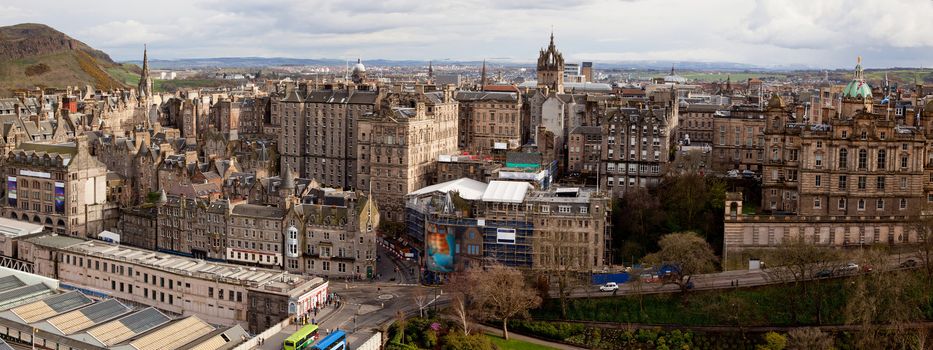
x: 768, y: 32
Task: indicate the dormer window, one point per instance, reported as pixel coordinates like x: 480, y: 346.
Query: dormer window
x: 864, y: 135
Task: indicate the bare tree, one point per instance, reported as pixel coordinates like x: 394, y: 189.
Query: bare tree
x: 500, y: 293
x: 924, y: 230
x: 458, y: 287
x: 882, y: 305
x: 688, y: 254
x: 796, y: 261
x: 808, y: 339
x: 563, y: 262
x: 421, y: 299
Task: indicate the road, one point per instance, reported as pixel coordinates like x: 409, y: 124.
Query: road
x: 366, y: 305
x: 719, y: 280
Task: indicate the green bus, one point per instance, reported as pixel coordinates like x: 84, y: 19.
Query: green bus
x: 301, y: 339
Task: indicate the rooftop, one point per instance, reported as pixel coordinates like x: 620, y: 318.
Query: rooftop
x: 228, y: 273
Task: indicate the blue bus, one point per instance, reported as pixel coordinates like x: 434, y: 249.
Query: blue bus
x: 336, y: 340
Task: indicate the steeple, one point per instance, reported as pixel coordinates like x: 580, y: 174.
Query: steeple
x: 672, y: 70
x: 145, y: 82
x: 430, y: 71
x: 483, y: 77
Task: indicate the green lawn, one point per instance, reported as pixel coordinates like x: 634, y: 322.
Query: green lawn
x: 513, y: 344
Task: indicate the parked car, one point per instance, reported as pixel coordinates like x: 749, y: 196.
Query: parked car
x: 609, y: 287
x: 849, y: 268
x: 909, y: 264
x: 824, y: 273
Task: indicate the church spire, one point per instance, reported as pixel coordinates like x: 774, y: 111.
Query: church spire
x: 430, y: 71
x: 483, y: 77
x: 145, y: 82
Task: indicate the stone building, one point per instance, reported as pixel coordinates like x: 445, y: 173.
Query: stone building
x: 489, y: 122
x: 738, y: 138
x: 60, y: 186
x: 858, y: 163
x: 400, y: 144
x: 584, y: 151
x: 636, y: 146
x: 332, y: 233
x: 139, y: 226
x: 218, y: 293
x: 254, y: 235
x: 696, y: 123
x: 319, y: 138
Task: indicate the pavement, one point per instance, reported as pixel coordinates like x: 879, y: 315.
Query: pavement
x: 498, y: 332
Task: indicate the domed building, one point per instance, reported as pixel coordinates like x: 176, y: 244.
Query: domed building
x: 857, y: 94
x: 358, y: 76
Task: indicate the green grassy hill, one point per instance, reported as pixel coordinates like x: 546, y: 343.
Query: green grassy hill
x: 35, y: 55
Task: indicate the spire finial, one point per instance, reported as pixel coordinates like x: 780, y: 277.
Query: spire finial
x: 859, y: 59
x: 552, y: 34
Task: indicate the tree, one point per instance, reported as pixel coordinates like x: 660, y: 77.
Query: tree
x: 688, y: 254
x: 460, y: 341
x: 420, y: 296
x: 924, y: 230
x: 808, y: 339
x: 458, y: 288
x: 773, y: 341
x: 500, y: 293
x: 796, y: 261
x: 883, y: 304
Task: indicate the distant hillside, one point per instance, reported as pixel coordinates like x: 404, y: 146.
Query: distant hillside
x: 35, y: 55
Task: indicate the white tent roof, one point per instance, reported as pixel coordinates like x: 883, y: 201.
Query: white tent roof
x: 506, y: 191
x: 468, y: 189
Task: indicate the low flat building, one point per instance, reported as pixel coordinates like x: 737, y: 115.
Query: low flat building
x: 217, y: 293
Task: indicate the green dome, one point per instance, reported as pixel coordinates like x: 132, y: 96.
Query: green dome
x: 857, y: 89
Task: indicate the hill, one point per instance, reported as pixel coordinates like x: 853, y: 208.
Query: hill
x: 35, y: 55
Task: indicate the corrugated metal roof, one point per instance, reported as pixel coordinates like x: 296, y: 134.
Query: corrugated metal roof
x: 10, y: 282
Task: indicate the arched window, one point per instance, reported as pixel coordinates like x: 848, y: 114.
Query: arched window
x: 14, y: 216
x: 842, y: 203
x: 843, y: 158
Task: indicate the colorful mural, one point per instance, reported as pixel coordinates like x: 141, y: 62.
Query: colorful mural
x: 440, y: 243
x: 11, y: 190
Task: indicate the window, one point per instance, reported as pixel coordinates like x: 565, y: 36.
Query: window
x: 879, y: 204
x: 818, y: 180
x: 861, y: 204
x: 882, y: 159
x: 880, y: 182
x: 903, y: 182
x: 817, y: 203
x: 842, y: 203
x: 843, y: 158
x: 930, y: 197
x: 903, y: 203
x: 862, y: 159
x: 861, y: 182
x: 818, y: 160
x: 904, y: 161
x: 842, y: 182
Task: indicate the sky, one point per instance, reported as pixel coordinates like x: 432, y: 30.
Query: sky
x: 773, y: 33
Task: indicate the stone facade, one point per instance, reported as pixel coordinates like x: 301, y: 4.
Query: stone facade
x: 319, y: 139
x: 738, y: 139
x: 60, y: 186
x: 489, y: 122
x: 399, y: 146
x: 636, y: 147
